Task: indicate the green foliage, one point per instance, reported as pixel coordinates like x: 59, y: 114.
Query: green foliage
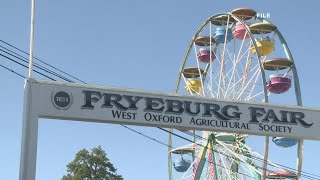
x: 91, y: 166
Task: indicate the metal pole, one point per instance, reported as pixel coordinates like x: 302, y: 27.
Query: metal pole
x: 299, y: 159
x: 31, y: 38
x: 169, y: 154
x: 265, y: 158
x: 298, y: 97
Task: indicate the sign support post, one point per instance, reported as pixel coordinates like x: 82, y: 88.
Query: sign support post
x: 28, y: 155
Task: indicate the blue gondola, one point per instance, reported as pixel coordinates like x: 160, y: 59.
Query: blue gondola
x: 181, y: 165
x: 220, y: 34
x: 285, y: 142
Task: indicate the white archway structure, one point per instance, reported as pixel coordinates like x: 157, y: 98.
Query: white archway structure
x: 91, y: 103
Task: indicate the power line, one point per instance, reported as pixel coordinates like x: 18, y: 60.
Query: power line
x: 153, y: 139
x: 14, y: 47
x: 26, y: 66
x: 12, y: 71
x: 25, y: 60
x: 167, y: 145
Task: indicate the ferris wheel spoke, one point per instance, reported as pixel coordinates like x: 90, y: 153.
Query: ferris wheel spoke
x: 222, y: 67
x: 225, y: 167
x: 268, y: 94
x: 269, y: 162
x: 228, y: 149
x: 239, y: 157
x: 234, y: 71
x: 246, y: 86
x: 251, y: 151
x: 235, y: 88
x: 210, y: 68
x: 220, y: 78
x: 247, y: 169
x: 289, y: 70
x: 210, y: 62
x: 234, y: 65
x: 246, y: 72
x: 244, y: 170
x: 207, y: 171
x: 237, y: 85
x: 239, y: 77
x: 249, y: 97
x: 226, y: 74
x: 240, y: 50
x: 219, y: 88
x: 241, y: 57
x: 217, y: 75
x: 217, y: 55
x: 233, y: 172
x: 250, y: 162
x: 185, y: 175
x: 210, y: 90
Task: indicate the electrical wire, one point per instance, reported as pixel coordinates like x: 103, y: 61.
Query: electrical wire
x: 25, y: 60
x: 16, y: 73
x: 14, y: 47
x: 26, y: 66
x: 167, y: 145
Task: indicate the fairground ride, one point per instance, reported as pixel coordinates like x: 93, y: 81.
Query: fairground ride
x: 234, y: 56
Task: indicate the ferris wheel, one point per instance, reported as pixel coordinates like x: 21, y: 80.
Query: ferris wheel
x: 240, y: 57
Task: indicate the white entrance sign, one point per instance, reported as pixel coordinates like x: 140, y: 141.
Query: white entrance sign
x: 121, y: 106
x: 90, y: 103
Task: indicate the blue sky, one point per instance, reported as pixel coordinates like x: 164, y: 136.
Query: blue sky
x: 136, y: 44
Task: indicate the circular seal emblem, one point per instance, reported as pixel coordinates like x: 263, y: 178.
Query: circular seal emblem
x: 61, y: 100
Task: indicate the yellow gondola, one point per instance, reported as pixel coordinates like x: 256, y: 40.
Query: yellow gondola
x: 265, y: 46
x: 193, y: 86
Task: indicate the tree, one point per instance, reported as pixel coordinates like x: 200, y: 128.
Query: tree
x: 91, y: 166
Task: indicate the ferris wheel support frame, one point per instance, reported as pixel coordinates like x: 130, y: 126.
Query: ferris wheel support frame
x: 299, y: 103
x: 298, y: 98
